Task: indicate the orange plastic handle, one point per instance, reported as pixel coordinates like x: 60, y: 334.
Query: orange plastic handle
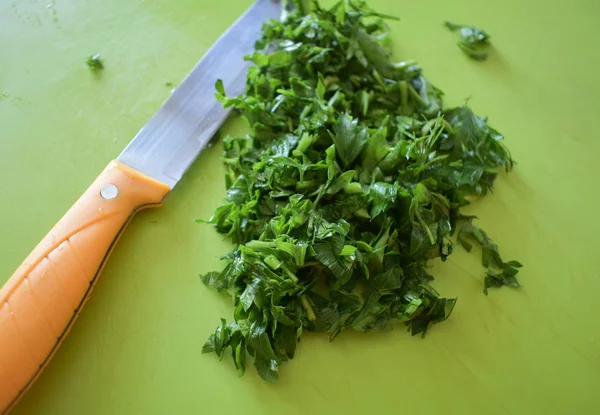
x: 41, y: 300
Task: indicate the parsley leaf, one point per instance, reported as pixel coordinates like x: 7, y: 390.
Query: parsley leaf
x: 349, y: 138
x: 473, y: 41
x: 94, y: 62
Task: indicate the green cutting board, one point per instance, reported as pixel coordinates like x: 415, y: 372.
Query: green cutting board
x: 135, y: 349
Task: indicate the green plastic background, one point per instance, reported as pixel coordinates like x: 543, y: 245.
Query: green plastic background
x: 136, y: 346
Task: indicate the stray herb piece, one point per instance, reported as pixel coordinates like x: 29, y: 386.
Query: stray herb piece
x: 350, y: 181
x: 499, y: 273
x: 472, y: 41
x: 94, y: 62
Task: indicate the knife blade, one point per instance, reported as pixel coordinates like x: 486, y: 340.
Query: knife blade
x: 172, y: 139
x: 42, y: 299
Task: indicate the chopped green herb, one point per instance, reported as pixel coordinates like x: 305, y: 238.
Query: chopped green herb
x: 94, y: 62
x: 351, y: 180
x: 472, y: 41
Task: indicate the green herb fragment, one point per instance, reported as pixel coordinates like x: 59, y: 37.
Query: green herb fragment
x: 472, y: 41
x: 94, y: 62
x: 350, y: 181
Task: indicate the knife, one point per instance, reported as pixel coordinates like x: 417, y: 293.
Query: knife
x: 42, y: 299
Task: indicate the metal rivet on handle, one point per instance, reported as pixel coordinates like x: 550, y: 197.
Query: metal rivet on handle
x: 109, y: 191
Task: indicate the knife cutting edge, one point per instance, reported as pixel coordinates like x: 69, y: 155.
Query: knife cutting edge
x: 42, y: 299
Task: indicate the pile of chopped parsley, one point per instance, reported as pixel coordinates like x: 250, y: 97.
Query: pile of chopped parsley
x: 351, y: 180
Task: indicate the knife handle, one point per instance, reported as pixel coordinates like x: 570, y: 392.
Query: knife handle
x: 41, y: 300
